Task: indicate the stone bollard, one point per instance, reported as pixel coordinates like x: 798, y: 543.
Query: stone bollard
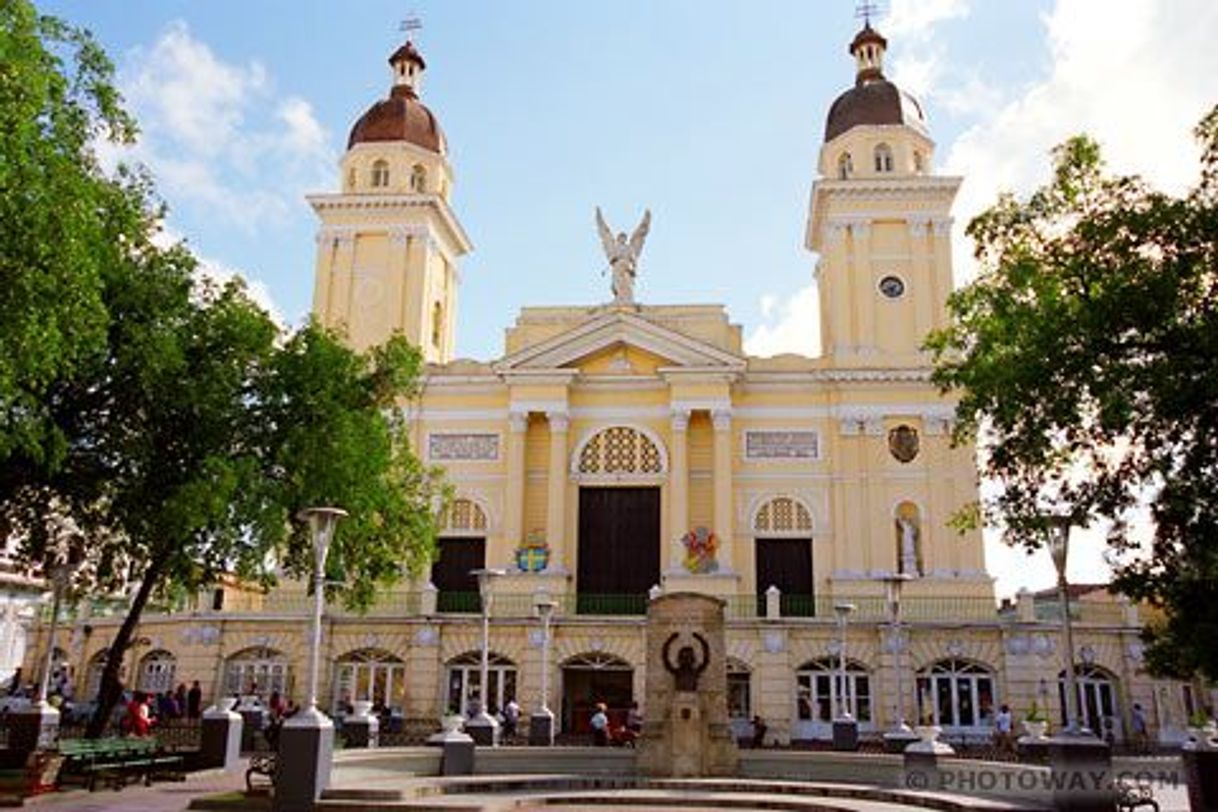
x: 1080, y: 772
x: 361, y: 731
x: 306, y: 754
x: 922, y: 759
x: 253, y: 720
x: 458, y: 753
x: 845, y: 734
x: 30, y: 729
x: 541, y: 728
x: 1200, y: 760
x: 221, y: 740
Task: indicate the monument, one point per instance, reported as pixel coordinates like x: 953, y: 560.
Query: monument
x: 685, y: 729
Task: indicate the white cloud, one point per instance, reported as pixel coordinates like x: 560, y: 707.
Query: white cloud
x: 1133, y: 80
x: 220, y: 273
x: 796, y: 330
x: 216, y: 136
x: 917, y: 18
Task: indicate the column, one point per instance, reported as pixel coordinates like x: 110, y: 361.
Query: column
x: 513, y: 511
x: 678, y: 481
x: 722, y: 419
x: 556, y: 490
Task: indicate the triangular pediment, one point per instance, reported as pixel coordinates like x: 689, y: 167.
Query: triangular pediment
x: 608, y: 343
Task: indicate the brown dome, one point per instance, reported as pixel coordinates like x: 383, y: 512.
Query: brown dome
x: 873, y: 102
x: 401, y: 117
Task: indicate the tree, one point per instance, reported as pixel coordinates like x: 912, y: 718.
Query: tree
x: 1083, y: 357
x: 164, y: 417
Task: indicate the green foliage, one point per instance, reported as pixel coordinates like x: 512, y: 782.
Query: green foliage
x: 1083, y: 358
x: 161, y: 417
x: 1035, y: 714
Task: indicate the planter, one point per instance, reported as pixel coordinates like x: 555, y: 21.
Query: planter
x: 1035, y: 730
x: 452, y: 722
x: 361, y: 709
x: 227, y: 703
x: 928, y: 733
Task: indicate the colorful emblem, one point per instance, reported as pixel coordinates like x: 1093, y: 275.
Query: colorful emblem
x: 701, y: 546
x: 534, y: 554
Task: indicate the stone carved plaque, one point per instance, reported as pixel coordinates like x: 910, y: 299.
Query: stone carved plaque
x: 781, y: 445
x: 464, y: 447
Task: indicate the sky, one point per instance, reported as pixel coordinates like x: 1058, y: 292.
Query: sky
x: 709, y: 113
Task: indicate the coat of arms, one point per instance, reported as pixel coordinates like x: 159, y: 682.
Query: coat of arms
x: 534, y: 554
x: 903, y: 443
x: 701, y: 546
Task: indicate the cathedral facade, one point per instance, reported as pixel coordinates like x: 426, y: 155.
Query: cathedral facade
x: 619, y: 450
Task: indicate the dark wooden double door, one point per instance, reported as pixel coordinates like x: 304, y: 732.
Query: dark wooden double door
x: 619, y: 549
x: 786, y: 564
x: 457, y: 589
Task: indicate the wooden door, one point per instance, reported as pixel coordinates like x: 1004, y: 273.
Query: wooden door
x: 786, y: 564
x: 619, y: 549
x: 458, y: 590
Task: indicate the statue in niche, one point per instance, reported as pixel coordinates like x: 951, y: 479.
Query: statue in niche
x: 686, y: 670
x: 623, y: 255
x: 907, y: 541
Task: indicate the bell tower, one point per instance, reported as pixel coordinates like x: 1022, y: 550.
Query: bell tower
x: 388, y: 243
x: 880, y: 220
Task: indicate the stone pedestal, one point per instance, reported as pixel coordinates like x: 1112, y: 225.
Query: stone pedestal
x: 34, y: 728
x: 845, y: 734
x: 483, y: 729
x: 1033, y: 749
x: 1080, y: 770
x: 306, y: 753
x: 687, y: 732
x: 896, y: 740
x: 1200, y: 762
x: 458, y: 756
x: 361, y: 731
x: 253, y: 720
x: 922, y: 760
x: 541, y: 728
x: 220, y: 747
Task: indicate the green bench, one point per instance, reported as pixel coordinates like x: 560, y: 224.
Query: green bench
x: 114, y: 760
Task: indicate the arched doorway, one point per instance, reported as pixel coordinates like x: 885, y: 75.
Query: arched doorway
x: 369, y: 675
x: 1097, y: 698
x: 957, y: 695
x: 258, y: 671
x: 591, y: 678
x: 464, y: 675
x: 156, y: 672
x: 818, y: 687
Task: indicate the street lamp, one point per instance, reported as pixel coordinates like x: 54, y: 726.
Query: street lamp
x: 541, y: 726
x: 845, y: 728
x: 61, y: 576
x: 893, y: 584
x: 1059, y: 549
x: 306, y: 739
x: 483, y: 727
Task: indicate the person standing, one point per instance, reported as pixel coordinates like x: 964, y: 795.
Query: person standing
x: 511, y: 717
x: 194, y: 700
x: 1002, y: 730
x: 600, y: 726
x: 1137, y: 722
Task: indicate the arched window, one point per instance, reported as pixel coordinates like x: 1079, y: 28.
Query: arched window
x: 418, y: 178
x: 464, y: 674
x: 437, y: 324
x: 380, y: 174
x: 818, y: 690
x: 462, y: 517
x: 156, y: 672
x: 351, y: 178
x: 257, y: 671
x: 782, y: 516
x: 883, y: 158
x: 369, y: 675
x: 739, y: 698
x: 1097, y: 699
x: 93, y: 674
x: 956, y: 694
x: 845, y: 166
x: 619, y: 452
x: 919, y: 162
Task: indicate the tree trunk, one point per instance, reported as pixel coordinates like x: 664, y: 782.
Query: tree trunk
x: 111, y: 689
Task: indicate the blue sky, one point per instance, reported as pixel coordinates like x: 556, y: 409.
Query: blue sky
x: 709, y: 113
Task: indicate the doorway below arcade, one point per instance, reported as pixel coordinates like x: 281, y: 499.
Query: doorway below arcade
x: 583, y: 688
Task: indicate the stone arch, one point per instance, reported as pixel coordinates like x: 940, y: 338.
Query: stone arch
x: 156, y: 672
x: 257, y: 670
x: 957, y: 692
x: 628, y: 651
x: 619, y: 453
x: 781, y: 516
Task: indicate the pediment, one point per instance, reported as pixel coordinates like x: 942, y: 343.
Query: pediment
x: 608, y: 343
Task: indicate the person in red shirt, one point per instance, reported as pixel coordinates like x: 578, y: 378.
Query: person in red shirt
x: 139, y: 721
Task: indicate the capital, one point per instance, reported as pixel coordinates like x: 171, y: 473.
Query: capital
x: 680, y: 419
x: 722, y: 419
x: 559, y: 421
x: 518, y: 422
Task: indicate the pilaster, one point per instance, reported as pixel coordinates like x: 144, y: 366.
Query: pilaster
x: 723, y: 486
x: 678, y: 481
x: 513, y: 511
x: 556, y: 488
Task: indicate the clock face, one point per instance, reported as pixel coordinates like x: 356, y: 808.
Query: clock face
x: 892, y: 287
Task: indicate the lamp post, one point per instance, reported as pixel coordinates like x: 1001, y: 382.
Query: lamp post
x: 306, y: 740
x: 61, y: 576
x: 1059, y: 549
x: 900, y: 735
x: 482, y: 726
x: 845, y: 727
x: 541, y: 725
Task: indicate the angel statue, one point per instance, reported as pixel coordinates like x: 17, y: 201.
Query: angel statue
x: 623, y: 255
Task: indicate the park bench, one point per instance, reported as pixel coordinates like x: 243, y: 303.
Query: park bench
x: 1130, y: 795
x: 39, y: 774
x: 115, y: 759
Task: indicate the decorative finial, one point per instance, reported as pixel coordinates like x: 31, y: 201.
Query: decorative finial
x: 864, y: 10
x: 410, y: 25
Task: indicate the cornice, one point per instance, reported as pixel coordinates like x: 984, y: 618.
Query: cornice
x: 335, y: 202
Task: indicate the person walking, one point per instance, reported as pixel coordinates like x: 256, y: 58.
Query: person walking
x: 511, y: 717
x: 194, y: 701
x: 600, y: 726
x: 1002, y: 730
